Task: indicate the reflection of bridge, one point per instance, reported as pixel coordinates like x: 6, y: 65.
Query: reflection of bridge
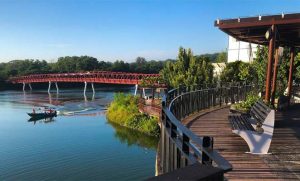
x: 87, y: 77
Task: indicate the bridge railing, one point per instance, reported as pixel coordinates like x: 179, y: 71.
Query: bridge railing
x: 82, y: 76
x: 179, y: 145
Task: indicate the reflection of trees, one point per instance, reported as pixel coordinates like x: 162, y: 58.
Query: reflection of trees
x: 133, y: 137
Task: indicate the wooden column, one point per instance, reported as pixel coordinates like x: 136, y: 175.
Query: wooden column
x: 273, y: 92
x: 270, y: 62
x: 290, y: 81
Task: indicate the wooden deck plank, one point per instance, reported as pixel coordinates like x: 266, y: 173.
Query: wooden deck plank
x: 282, y: 164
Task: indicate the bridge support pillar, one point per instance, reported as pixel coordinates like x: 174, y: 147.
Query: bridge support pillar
x: 93, y: 88
x: 57, y: 90
x: 49, y: 87
x: 144, y: 94
x: 136, y: 89
x: 85, y: 84
x: 24, y: 84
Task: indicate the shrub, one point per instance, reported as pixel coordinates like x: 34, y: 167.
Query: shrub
x: 124, y: 111
x: 251, y: 99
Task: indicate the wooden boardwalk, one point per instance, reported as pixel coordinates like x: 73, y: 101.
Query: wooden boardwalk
x: 282, y: 164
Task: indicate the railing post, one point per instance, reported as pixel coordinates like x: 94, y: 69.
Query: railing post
x: 185, y: 147
x: 220, y: 94
x: 173, y: 154
x: 208, y: 145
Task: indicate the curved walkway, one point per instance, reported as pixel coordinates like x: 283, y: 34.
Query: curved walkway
x: 283, y: 163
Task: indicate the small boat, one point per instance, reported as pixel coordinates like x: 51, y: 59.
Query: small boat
x: 45, y: 119
x: 43, y: 115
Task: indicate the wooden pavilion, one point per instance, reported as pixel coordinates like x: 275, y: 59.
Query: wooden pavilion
x: 273, y: 31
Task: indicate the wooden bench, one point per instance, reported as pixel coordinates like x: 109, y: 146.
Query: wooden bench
x: 256, y: 128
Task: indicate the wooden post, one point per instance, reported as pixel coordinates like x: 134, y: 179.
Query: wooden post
x: 290, y: 81
x: 273, y: 92
x: 270, y: 62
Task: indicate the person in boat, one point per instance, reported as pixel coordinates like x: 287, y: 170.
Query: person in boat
x: 33, y: 111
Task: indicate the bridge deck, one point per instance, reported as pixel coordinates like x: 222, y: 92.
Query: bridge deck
x: 282, y: 164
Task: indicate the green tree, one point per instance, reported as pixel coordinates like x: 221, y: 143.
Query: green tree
x: 222, y: 57
x: 260, y: 64
x: 187, y: 70
x: 238, y: 71
x: 120, y: 66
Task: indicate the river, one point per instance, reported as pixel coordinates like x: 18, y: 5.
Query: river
x: 78, y: 144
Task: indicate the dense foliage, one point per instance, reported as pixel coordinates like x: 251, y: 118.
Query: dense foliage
x: 246, y: 105
x: 222, y: 57
x: 215, y: 57
x: 238, y: 71
x: 124, y: 111
x: 188, y: 69
x: 76, y: 64
x: 256, y: 70
x: 23, y: 67
x: 87, y: 63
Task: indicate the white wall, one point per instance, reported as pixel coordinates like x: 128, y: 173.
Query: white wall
x: 239, y: 50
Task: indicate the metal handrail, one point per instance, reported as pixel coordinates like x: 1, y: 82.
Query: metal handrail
x: 174, y: 128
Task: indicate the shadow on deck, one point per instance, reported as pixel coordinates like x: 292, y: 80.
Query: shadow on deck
x: 283, y: 163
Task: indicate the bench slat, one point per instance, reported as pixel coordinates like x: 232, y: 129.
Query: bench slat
x: 267, y: 108
x: 261, y: 108
x: 258, y: 142
x: 257, y: 114
x: 239, y: 122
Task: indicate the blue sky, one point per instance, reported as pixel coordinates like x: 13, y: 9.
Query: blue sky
x: 120, y: 29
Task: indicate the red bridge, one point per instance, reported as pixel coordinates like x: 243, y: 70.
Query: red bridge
x: 87, y: 77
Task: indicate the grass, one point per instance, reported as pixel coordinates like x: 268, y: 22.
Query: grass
x: 124, y: 111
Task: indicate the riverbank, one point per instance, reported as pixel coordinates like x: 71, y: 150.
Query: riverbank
x: 124, y: 111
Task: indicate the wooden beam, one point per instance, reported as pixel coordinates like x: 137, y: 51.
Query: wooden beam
x: 273, y: 92
x: 255, y: 22
x: 269, y: 66
x: 290, y: 80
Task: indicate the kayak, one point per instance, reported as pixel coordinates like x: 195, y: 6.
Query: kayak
x: 42, y: 115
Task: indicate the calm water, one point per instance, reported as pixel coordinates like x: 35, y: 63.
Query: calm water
x: 79, y: 144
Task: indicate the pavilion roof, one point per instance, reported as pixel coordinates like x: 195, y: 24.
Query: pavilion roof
x: 253, y: 29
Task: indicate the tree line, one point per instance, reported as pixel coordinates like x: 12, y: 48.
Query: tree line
x: 76, y: 64
x: 84, y: 63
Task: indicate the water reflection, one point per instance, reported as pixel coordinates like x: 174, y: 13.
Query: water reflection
x: 44, y: 120
x: 79, y: 141
x: 132, y: 137
x: 50, y: 98
x: 86, y: 99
